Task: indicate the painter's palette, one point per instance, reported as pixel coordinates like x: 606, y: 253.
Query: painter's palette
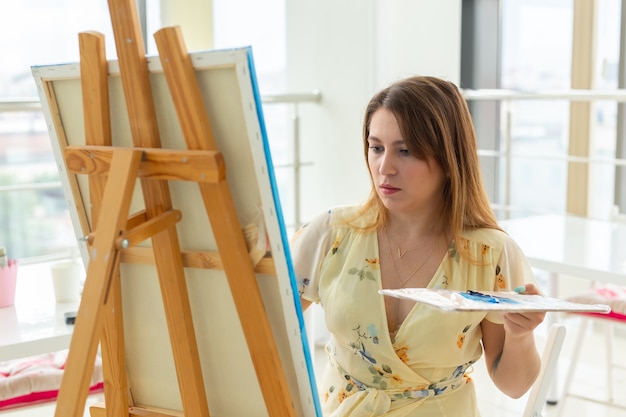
x: 491, y: 301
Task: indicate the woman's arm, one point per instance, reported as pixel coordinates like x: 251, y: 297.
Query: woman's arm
x: 304, y: 303
x: 308, y: 247
x: 510, y: 352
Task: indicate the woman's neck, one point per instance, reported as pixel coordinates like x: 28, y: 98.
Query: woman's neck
x: 412, y: 227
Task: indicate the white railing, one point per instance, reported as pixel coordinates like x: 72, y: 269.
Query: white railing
x: 507, y: 96
x: 618, y: 96
x: 19, y: 104
x: 293, y: 100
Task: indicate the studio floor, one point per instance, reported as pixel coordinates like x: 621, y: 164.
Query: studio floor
x: 589, y: 380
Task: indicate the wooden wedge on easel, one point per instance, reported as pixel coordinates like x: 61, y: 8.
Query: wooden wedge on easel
x: 114, y: 229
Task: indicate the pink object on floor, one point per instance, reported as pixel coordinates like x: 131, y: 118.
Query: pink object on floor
x: 38, y: 379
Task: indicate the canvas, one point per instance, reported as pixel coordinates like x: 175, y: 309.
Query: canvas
x: 231, y: 98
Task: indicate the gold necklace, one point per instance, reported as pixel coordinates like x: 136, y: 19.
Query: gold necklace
x: 395, y: 268
x: 401, y: 252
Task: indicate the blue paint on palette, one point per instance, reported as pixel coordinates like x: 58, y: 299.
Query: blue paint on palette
x: 486, y: 298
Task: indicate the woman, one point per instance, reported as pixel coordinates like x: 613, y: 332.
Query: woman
x: 427, y: 223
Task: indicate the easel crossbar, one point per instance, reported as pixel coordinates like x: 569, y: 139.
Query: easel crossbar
x: 193, y: 259
x: 156, y: 163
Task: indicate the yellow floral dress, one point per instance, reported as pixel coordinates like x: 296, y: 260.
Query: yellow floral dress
x: 424, y: 370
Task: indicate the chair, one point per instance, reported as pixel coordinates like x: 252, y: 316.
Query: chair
x: 615, y: 297
x: 549, y: 360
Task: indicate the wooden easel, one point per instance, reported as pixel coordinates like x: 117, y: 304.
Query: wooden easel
x: 113, y: 174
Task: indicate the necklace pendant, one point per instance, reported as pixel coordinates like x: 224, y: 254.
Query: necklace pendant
x: 400, y: 253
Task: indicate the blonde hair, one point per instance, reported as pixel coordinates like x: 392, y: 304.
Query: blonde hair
x: 436, y: 125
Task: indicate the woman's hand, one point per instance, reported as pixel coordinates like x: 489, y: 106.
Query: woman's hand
x: 510, y: 351
x: 519, y: 324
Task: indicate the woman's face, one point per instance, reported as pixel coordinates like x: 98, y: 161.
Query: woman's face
x: 403, y: 182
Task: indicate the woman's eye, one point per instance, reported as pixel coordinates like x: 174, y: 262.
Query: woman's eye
x: 376, y: 149
x: 405, y: 152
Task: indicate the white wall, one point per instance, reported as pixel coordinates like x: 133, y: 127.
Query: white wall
x: 348, y: 50
x: 195, y: 18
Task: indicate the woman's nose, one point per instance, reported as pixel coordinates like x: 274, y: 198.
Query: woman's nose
x: 387, y: 165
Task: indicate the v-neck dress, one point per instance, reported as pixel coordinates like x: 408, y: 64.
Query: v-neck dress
x: 425, y: 369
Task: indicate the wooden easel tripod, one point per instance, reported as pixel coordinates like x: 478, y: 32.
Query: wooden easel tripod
x: 113, y: 174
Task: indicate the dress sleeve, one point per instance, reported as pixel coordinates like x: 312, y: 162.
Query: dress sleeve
x: 513, y: 268
x: 309, y: 246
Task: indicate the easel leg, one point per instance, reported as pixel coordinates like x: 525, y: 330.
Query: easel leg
x: 168, y: 259
x: 94, y: 79
x: 221, y: 210
x: 104, y: 261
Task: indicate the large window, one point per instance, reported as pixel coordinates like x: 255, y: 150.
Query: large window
x: 263, y: 28
x: 533, y: 159
x: 34, y: 221
x: 34, y: 218
x: 536, y: 55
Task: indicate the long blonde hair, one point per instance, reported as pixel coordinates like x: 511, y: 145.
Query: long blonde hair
x: 436, y: 124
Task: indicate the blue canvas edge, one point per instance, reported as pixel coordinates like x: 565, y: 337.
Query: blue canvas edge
x: 283, y: 232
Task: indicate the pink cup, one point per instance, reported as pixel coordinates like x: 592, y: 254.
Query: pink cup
x: 8, y: 276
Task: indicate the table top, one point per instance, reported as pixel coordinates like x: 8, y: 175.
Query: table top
x: 36, y: 323
x: 578, y: 246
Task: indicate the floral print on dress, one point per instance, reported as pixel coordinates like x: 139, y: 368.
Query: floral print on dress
x: 460, y: 339
x: 371, y: 264
x: 406, y: 369
x: 453, y: 253
x: 500, y: 280
x: 302, y: 284
x: 358, y: 345
x: 382, y: 375
x: 335, y: 246
x: 402, y: 352
x: 385, y: 379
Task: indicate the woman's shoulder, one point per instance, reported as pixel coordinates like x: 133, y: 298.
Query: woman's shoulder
x: 338, y: 217
x: 334, y: 218
x: 487, y: 236
x: 349, y: 216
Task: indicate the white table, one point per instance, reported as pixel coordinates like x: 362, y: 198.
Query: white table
x: 36, y: 323
x: 574, y: 246
x: 568, y: 245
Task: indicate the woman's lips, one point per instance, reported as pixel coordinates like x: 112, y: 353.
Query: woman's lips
x: 388, y: 189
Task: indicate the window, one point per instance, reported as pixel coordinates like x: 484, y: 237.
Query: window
x: 34, y: 218
x: 263, y: 28
x: 536, y: 56
x: 531, y: 170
